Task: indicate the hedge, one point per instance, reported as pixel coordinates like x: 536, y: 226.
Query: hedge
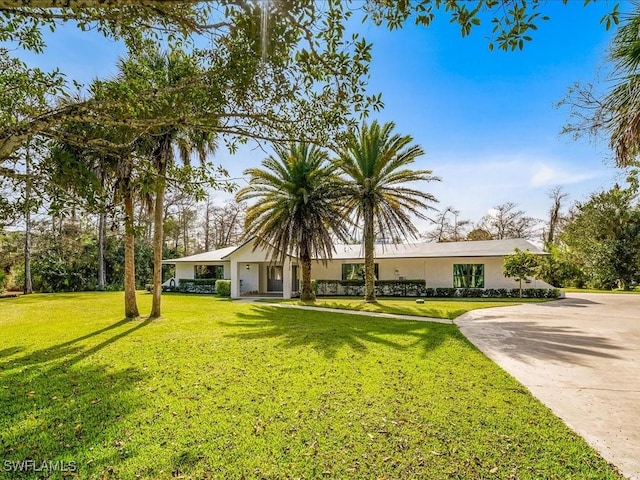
x: 189, y: 285
x: 418, y: 288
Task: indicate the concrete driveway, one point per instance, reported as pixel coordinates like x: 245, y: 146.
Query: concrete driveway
x: 581, y: 357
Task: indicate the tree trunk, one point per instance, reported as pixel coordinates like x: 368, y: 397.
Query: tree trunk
x: 307, y: 294
x: 207, y: 225
x: 369, y: 277
x: 101, y: 239
x: 520, y: 287
x: 28, y: 285
x: 130, y: 304
x: 158, y: 231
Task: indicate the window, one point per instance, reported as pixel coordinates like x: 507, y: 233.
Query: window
x: 468, y: 275
x: 209, y: 271
x: 355, y: 271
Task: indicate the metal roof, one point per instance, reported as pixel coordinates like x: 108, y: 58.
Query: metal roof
x: 485, y: 248
x: 212, y: 256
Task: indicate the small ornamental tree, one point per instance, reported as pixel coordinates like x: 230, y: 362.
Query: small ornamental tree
x: 520, y: 265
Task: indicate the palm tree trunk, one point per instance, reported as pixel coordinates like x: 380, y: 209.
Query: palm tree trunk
x: 307, y: 294
x: 130, y: 304
x: 369, y: 278
x: 28, y: 285
x: 102, y: 226
x: 158, y: 231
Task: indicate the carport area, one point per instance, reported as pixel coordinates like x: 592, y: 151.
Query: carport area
x: 581, y: 357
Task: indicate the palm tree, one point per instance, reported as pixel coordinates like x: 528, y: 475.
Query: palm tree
x: 615, y: 113
x: 99, y: 175
x: 374, y: 160
x: 296, y: 209
x: 622, y: 106
x: 165, y: 71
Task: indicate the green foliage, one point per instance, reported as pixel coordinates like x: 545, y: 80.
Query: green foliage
x: 604, y: 238
x: 297, y: 207
x: 560, y: 268
x: 375, y: 162
x: 418, y: 288
x: 520, y: 265
x: 266, y: 392
x: 199, y: 285
x: 253, y: 82
x: 3, y: 280
x: 114, y: 259
x: 223, y: 288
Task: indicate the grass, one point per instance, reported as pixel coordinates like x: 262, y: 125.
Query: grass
x: 595, y: 290
x: 221, y: 389
x: 432, y: 307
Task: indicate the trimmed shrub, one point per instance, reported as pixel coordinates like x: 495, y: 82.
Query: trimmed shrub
x: 201, y: 285
x: 223, y: 288
x: 417, y: 288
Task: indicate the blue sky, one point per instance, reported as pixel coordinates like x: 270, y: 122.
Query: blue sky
x: 486, y: 120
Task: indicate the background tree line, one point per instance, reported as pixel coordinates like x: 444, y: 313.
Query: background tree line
x: 272, y: 71
x: 592, y: 243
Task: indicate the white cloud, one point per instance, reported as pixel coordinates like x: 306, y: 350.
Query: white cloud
x: 475, y: 184
x: 545, y: 175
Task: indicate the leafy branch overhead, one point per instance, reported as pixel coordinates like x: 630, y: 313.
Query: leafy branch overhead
x: 277, y: 84
x: 302, y: 74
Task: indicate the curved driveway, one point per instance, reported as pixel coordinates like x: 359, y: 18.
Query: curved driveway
x: 581, y: 357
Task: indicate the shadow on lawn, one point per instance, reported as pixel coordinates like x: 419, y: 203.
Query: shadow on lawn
x: 61, y: 414
x: 59, y: 411
x: 62, y: 410
x: 73, y: 347
x: 329, y: 332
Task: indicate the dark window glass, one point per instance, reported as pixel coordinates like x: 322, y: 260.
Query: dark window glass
x: 355, y: 271
x: 468, y: 275
x: 209, y: 271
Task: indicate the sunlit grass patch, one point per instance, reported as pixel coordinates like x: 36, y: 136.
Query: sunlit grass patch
x: 432, y: 307
x: 221, y: 389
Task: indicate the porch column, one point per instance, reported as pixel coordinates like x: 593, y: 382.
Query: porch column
x: 235, y: 282
x: 286, y: 278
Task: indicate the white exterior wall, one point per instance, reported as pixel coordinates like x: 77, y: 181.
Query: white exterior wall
x: 250, y: 277
x: 437, y: 272
x: 184, y: 270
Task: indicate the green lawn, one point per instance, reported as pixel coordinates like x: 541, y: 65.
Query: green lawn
x: 432, y: 307
x: 221, y: 389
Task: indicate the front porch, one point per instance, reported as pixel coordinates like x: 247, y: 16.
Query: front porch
x: 264, y: 279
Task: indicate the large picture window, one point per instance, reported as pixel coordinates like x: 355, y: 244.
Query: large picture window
x: 468, y: 275
x: 355, y: 271
x: 209, y: 271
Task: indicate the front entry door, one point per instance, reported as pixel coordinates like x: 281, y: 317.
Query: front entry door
x: 274, y: 278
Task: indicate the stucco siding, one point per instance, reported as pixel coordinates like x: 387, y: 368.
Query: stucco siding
x: 437, y: 272
x: 185, y: 270
x: 250, y: 277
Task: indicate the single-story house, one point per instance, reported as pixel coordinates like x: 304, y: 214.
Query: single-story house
x: 476, y: 264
